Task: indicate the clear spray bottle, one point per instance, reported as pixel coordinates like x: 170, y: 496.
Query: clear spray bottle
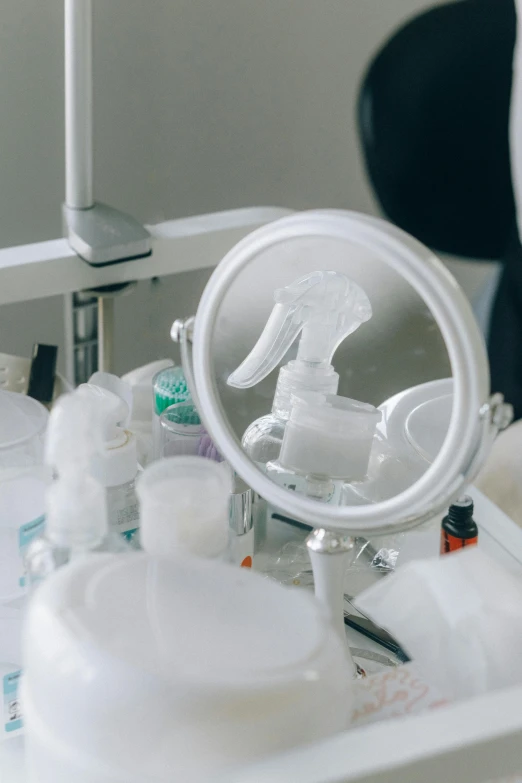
x: 76, y: 506
x: 324, y: 307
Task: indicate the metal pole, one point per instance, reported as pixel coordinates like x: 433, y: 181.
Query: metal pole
x: 81, y: 340
x: 78, y: 104
x: 105, y: 333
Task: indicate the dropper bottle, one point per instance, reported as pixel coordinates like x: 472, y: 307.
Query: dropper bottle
x: 324, y: 308
x: 458, y: 528
x: 76, y: 507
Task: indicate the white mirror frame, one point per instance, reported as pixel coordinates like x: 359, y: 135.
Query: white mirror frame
x: 470, y: 419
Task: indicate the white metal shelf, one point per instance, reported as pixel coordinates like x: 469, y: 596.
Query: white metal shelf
x: 51, y: 268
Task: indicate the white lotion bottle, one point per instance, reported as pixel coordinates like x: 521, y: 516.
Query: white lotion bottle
x: 116, y: 467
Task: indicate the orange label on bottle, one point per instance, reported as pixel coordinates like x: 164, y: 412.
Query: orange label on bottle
x: 449, y: 543
x: 247, y: 562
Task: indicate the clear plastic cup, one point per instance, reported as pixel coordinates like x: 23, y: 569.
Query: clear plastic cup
x: 22, y: 426
x: 182, y: 434
x: 184, y: 507
x: 22, y: 486
x: 181, y: 431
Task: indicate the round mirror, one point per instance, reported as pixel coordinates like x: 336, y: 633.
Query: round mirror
x: 341, y: 373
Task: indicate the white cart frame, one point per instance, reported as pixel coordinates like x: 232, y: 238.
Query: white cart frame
x: 471, y: 742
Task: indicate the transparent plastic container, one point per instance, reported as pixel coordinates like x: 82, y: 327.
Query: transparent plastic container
x: 22, y: 486
x: 22, y: 505
x: 184, y: 507
x: 183, y: 435
x: 169, y: 387
x: 22, y: 427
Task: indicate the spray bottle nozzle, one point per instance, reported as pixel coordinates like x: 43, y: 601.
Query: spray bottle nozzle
x: 325, y: 306
x: 114, y: 412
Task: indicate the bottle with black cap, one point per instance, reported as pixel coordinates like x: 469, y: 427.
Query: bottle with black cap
x: 459, y: 529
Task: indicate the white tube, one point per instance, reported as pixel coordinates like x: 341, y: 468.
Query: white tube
x: 78, y: 104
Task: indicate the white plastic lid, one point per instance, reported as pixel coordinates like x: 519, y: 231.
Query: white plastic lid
x: 192, y: 664
x: 427, y: 425
x: 21, y: 418
x: 329, y: 435
x: 184, y: 507
x: 400, y: 453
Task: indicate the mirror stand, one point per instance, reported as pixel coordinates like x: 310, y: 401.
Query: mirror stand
x: 329, y: 554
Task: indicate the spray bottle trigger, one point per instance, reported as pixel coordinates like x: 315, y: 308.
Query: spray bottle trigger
x: 325, y: 306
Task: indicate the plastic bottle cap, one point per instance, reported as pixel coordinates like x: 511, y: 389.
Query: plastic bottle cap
x: 329, y: 435
x: 184, y: 507
x: 427, y: 425
x: 461, y: 510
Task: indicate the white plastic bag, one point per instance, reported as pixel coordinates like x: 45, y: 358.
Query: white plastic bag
x: 459, y: 617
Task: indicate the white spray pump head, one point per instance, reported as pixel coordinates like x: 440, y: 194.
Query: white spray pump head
x: 121, y: 408
x: 76, y: 505
x: 118, y: 462
x: 325, y: 307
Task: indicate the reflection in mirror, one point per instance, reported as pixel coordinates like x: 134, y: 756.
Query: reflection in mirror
x: 361, y: 429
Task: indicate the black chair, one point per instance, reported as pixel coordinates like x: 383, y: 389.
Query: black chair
x: 433, y: 118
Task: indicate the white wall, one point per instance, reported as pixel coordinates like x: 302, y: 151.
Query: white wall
x: 199, y: 106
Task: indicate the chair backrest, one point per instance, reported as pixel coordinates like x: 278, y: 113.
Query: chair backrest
x: 433, y: 118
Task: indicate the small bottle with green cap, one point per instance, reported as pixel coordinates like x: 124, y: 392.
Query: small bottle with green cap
x: 459, y: 529
x: 169, y: 387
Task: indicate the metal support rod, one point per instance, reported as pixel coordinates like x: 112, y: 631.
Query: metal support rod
x: 78, y: 104
x: 105, y: 333
x: 330, y: 554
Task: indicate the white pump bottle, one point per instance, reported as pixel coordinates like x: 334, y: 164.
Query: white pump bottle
x: 116, y: 467
x: 325, y: 307
x: 76, y: 507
